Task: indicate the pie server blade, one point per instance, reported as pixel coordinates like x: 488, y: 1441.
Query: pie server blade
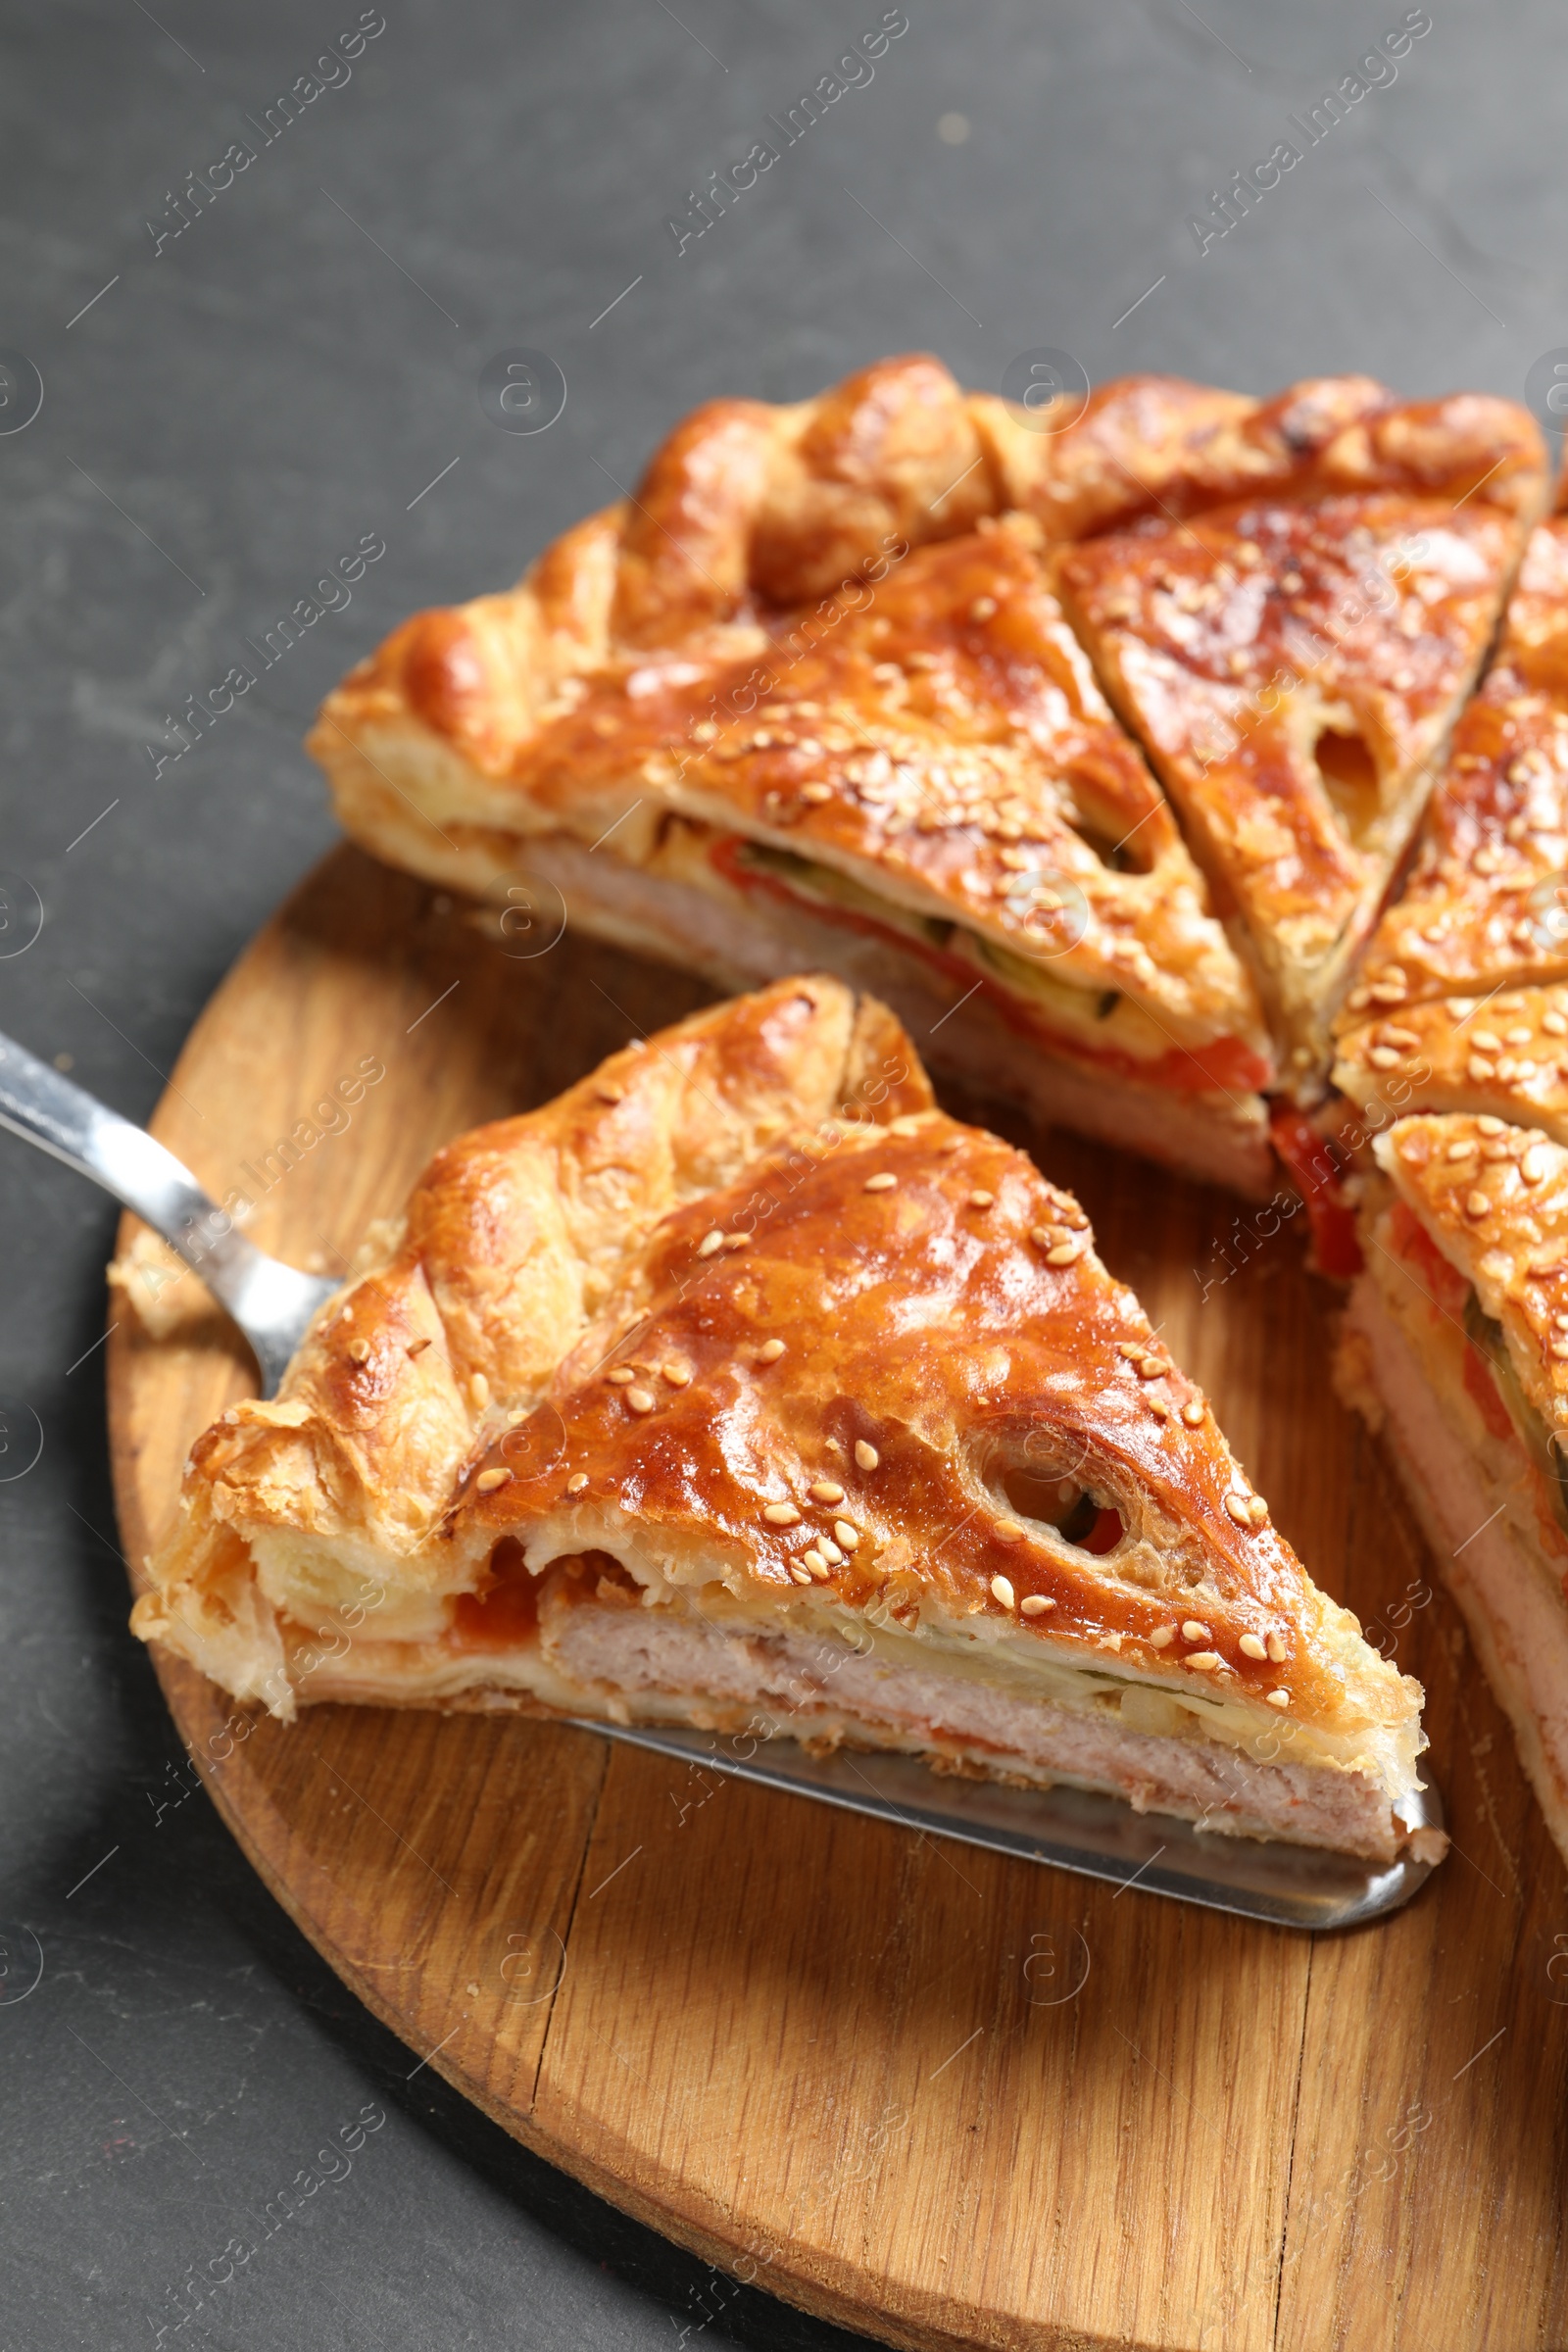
x: 1075, y: 1829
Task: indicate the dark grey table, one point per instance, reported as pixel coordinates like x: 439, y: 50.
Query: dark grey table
x: 243, y: 382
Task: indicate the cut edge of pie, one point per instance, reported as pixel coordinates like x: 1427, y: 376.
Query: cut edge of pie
x: 1455, y: 1348
x: 1462, y: 997
x: 741, y: 1388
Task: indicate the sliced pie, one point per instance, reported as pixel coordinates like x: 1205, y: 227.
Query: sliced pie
x: 807, y: 699
x: 1466, y: 965
x: 1293, y: 661
x: 1456, y: 1345
x: 741, y: 1388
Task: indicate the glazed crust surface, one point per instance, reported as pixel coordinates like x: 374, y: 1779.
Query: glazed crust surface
x: 938, y: 736
x: 933, y: 1299
x: 829, y: 628
x: 1503, y: 1052
x: 1292, y: 664
x: 741, y: 1262
x: 509, y: 1246
x: 1486, y: 903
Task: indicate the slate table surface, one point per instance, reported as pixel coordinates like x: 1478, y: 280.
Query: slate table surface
x: 241, y: 385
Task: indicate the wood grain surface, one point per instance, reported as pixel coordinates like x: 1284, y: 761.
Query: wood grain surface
x: 941, y: 2096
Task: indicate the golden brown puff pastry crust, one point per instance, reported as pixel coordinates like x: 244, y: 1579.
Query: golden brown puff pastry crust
x: 1504, y: 1055
x: 506, y: 1251
x: 809, y: 599
x: 743, y: 1262
x: 1294, y: 664
x: 1495, y: 1199
x: 1482, y: 908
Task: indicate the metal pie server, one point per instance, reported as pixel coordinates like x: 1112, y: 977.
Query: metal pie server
x: 272, y: 1302
x: 1077, y: 1828
x: 1097, y: 1837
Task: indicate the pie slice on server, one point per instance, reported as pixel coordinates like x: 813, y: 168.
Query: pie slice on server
x: 742, y: 1387
x: 1461, y: 993
x: 1455, y: 1344
x: 1293, y: 661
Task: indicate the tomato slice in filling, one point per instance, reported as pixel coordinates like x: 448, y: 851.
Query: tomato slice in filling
x: 1310, y: 1164
x: 1224, y: 1064
x: 505, y: 1614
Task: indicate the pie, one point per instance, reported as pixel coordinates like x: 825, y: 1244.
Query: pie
x: 1461, y: 990
x: 1294, y: 660
x: 809, y: 698
x: 742, y: 1387
x: 1457, y: 1346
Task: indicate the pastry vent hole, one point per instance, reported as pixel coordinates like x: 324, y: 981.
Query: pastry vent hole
x: 1349, y: 776
x: 1076, y: 1514
x: 1116, y: 852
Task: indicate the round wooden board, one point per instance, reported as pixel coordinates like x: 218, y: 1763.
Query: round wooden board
x: 940, y: 2096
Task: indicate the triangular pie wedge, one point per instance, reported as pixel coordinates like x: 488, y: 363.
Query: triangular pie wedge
x: 1482, y: 926
x: 741, y: 1388
x: 1456, y: 1346
x: 1294, y: 663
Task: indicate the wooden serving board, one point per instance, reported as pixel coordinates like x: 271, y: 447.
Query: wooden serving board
x: 938, y: 2095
